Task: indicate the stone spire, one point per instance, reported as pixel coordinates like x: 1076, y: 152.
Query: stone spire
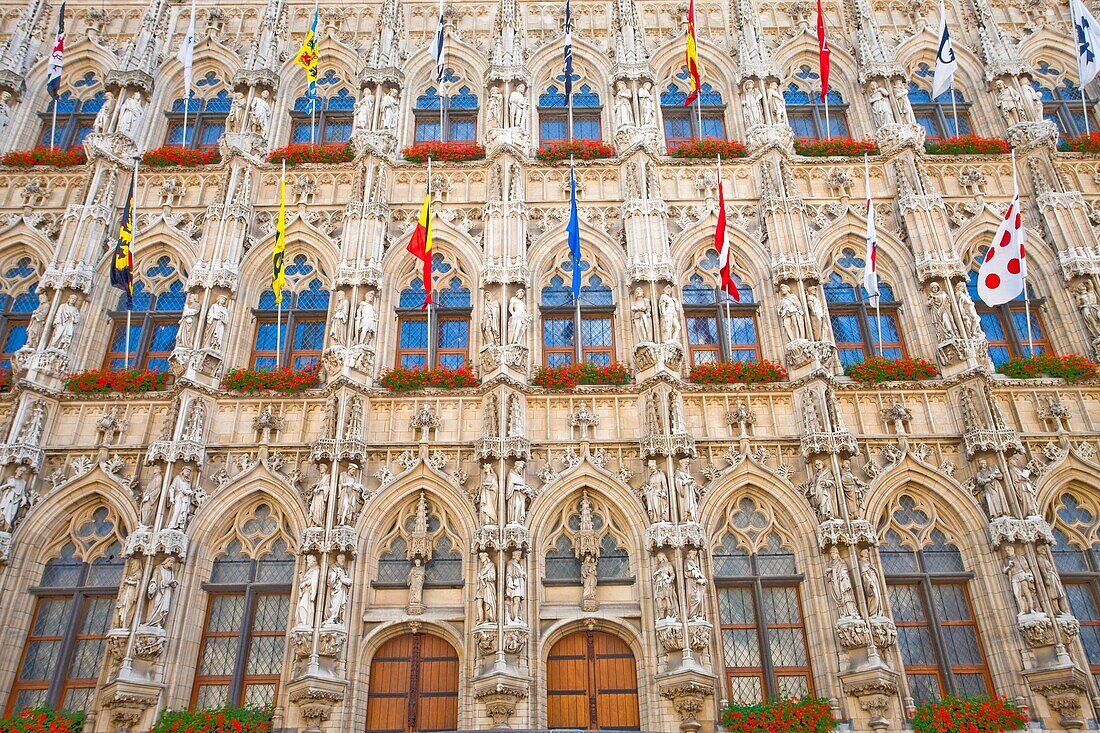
x: 875, y: 53
x: 142, y: 53
x: 15, y: 49
x: 753, y: 55
x: 388, y: 49
x: 999, y: 52
x: 264, y: 51
x: 629, y: 35
x: 509, y: 42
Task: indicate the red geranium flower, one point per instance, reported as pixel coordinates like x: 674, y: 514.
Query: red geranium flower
x: 845, y: 146
x: 877, y: 369
x: 967, y: 145
x: 450, y: 152
x: 577, y: 149
x: 105, y: 381
x: 403, y: 379
x: 737, y: 372
x: 302, y: 153
x: 1081, y: 144
x: 44, y: 156
x: 709, y: 148
x: 1070, y: 367
x: 171, y: 155
x: 287, y: 380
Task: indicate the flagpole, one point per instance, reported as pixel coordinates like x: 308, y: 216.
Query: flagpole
x: 279, y: 295
x: 721, y: 292
x: 828, y: 126
x: 577, y: 349
x: 954, y: 107
x: 186, y: 104
x: 313, y: 100
x: 428, y: 285
x: 133, y: 234
x: 53, y: 125
x: 878, y: 300
x: 1023, y: 262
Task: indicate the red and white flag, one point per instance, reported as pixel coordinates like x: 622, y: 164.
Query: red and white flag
x: 870, y: 259
x: 1003, y: 274
x: 822, y: 51
x: 722, y: 244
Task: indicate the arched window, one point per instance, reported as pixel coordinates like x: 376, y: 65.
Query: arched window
x: 561, y: 321
x: 1062, y: 101
x: 459, y: 112
x: 206, y: 113
x: 806, y: 111
x: 304, y: 313
x: 937, y: 116
x: 1005, y: 326
x: 451, y: 308
x: 682, y: 123
x: 563, y: 566
x: 18, y: 300
x: 1076, y: 556
x: 247, y: 614
x: 554, y: 113
x: 763, y: 638
x: 76, y: 111
x: 331, y: 121
x: 74, y: 608
x: 154, y: 320
x: 442, y: 570
x: 926, y: 582
x: 715, y: 332
x: 855, y: 321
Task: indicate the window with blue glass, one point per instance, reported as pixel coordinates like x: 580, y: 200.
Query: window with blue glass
x: 562, y: 320
x: 16, y: 307
x: 206, y: 112
x: 1062, y: 103
x: 332, y: 117
x: 858, y: 326
x: 716, y: 332
x: 159, y: 296
x: 1006, y: 326
x: 939, y: 118
x: 449, y: 346
x: 806, y: 112
x: 76, y: 111
x: 682, y: 124
x: 1076, y: 556
x: 300, y: 337
x: 554, y: 113
x: 456, y: 111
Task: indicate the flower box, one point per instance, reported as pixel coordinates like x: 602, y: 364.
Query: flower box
x: 303, y: 153
x: 5, y: 381
x: 404, y: 379
x: 578, y: 149
x: 969, y: 715
x: 878, y: 369
x: 737, y: 372
x: 44, y: 156
x: 449, y: 152
x: 42, y: 720
x: 1070, y: 367
x: 106, y: 381
x: 287, y: 380
x: 569, y: 376
x: 173, y: 155
x: 1081, y: 144
x: 219, y: 720
x: 808, y: 715
x: 709, y: 149
x: 846, y: 146
x: 967, y: 145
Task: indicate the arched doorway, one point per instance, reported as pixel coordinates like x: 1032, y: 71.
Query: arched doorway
x: 413, y: 686
x: 591, y: 683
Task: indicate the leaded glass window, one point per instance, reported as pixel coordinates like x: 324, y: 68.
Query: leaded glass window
x: 562, y: 320
x: 1062, y: 103
x: 858, y: 326
x: 16, y: 307
x: 1078, y: 567
x: 449, y: 346
x: 719, y: 328
x: 456, y: 109
x: 77, y: 108
x: 806, y: 112
x: 207, y: 107
x: 331, y: 118
x: 682, y: 124
x: 938, y: 116
x: 301, y: 323
x: 154, y: 320
x: 1006, y: 326
x: 554, y: 113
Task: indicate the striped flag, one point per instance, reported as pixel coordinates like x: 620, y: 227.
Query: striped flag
x: 692, y: 57
x: 53, y: 71
x: 822, y: 52
x: 439, y: 52
x: 722, y: 244
x: 122, y: 264
x: 420, y: 246
x: 870, y: 258
x: 568, y: 52
x: 308, y: 57
x: 573, y: 230
x: 186, y: 54
x: 278, y: 274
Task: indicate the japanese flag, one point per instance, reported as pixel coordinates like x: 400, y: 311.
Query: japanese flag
x: 1003, y: 274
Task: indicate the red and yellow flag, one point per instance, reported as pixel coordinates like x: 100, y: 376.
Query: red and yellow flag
x: 692, y: 57
x: 420, y: 246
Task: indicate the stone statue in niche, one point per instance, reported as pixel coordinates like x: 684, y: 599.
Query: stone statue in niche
x: 1021, y: 476
x: 487, y: 496
x: 308, y: 582
x: 126, y: 602
x: 217, y: 318
x: 259, y: 114
x: 518, y: 319
x: 1084, y: 296
x: 641, y: 317
x: 664, y: 588
x: 129, y: 115
x: 162, y: 586
x: 1022, y: 580
x: 102, y: 122
x: 822, y: 485
x: 64, y: 324
x: 196, y: 421
x: 656, y: 494
x: 676, y: 414
x: 1008, y: 101
x: 389, y: 108
x: 696, y: 587
x: 652, y: 415
x: 31, y: 432
x: 516, y: 423
x: 185, y: 336
x: 180, y: 498
x: 516, y: 493
x: 972, y: 324
x: 366, y: 320
x: 495, y: 108
x: 490, y: 417
x: 687, y: 492
x: 517, y: 108
x: 671, y: 314
x: 777, y: 103
x: 588, y: 581
x: 790, y: 314
x: 817, y: 315
x: 416, y: 586
x: 901, y: 100
x: 939, y: 302
x: 515, y: 588
x: 1052, y: 581
x: 364, y: 107
x: 490, y: 321
x: 339, y: 585
x: 350, y: 491
x: 486, y: 596
x: 13, y: 497
x: 854, y: 489
x: 881, y: 110
x: 1030, y: 102
x: 839, y: 579
x: 647, y: 110
x: 318, y: 494
x: 150, y: 496
x: 624, y: 105
x: 868, y: 576
x: 989, y: 486
x: 37, y: 323
x: 341, y: 313
x: 752, y: 104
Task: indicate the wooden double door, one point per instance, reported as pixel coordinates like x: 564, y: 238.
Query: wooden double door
x: 592, y: 683
x: 413, y: 686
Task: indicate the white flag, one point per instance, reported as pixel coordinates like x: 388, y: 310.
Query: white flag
x: 946, y: 63
x: 186, y: 54
x: 1087, y: 32
x: 1003, y: 274
x: 870, y: 259
x: 438, y: 51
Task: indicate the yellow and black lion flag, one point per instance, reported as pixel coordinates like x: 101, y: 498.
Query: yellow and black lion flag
x: 122, y: 264
x: 278, y: 277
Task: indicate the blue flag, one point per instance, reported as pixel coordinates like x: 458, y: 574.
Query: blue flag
x: 573, y: 229
x: 568, y: 52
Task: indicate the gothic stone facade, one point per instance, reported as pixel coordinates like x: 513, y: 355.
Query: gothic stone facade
x: 506, y: 555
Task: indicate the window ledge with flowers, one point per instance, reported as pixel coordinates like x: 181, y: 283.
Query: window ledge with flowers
x: 967, y: 145
x: 1070, y: 367
x: 840, y: 146
x: 1081, y: 144
x: 709, y: 149
x: 167, y: 156
x: 42, y: 720
x: 737, y: 372
x: 44, y: 156
x: 569, y: 376
x: 5, y: 381
x: 219, y: 720
x: 306, y: 153
x: 286, y: 380
x: 404, y: 379
x: 878, y: 369
x: 124, y: 381
x: 807, y: 715
x: 577, y: 149
x: 447, y: 152
x: 969, y: 715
